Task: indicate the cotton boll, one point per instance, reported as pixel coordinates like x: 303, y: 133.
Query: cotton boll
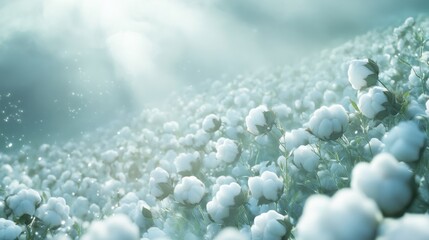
x: 80, y: 207
x: 374, y: 147
x: 293, y: 139
x: 329, y: 123
x: 216, y: 211
x: 9, y: 230
x: 201, y: 138
x: 230, y: 233
x: 266, y: 188
x: 187, y: 163
x: 386, y: 181
x: 362, y: 73
x: 282, y: 111
x: 155, y: 233
x: 413, y: 226
x: 373, y: 103
x: 270, y: 226
x: 211, y: 123
x: 159, y: 183
x: 24, y: 202
x: 112, y: 228
x: 305, y: 157
x: 405, y: 141
x: 260, y: 120
x: 109, y: 156
x: 227, y: 150
x: 189, y: 191
x: 347, y: 215
x: 171, y: 127
x: 54, y: 213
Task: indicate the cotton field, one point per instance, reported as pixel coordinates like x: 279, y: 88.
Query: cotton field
x: 329, y: 148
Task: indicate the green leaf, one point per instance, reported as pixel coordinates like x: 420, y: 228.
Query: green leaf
x: 354, y: 105
x: 147, y: 213
x: 270, y: 117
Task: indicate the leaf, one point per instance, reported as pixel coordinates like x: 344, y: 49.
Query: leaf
x: 270, y: 117
x: 354, y: 105
x: 147, y: 213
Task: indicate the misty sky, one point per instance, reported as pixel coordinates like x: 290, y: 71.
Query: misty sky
x: 68, y: 66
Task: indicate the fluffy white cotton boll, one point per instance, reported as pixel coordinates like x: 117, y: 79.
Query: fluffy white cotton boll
x: 227, y: 150
x: 9, y: 230
x: 54, y: 213
x: 293, y: 139
x: 210, y: 161
x: 260, y: 120
x: 373, y: 103
x: 270, y: 226
x: 112, y: 228
x: 405, y: 141
x: 410, y: 226
x: 266, y: 188
x: 159, y: 183
x: 24, y: 202
x: 230, y: 195
x: 386, y: 181
x: 362, y: 73
x: 171, y: 127
x: 201, y: 138
x: 305, y: 157
x: 374, y: 146
x: 282, y: 111
x: 187, y: 163
x: 109, y: 156
x: 329, y: 123
x: 347, y: 215
x: 80, y: 207
x: 230, y: 233
x: 217, y: 212
x: 189, y: 191
x: 155, y: 233
x: 211, y: 123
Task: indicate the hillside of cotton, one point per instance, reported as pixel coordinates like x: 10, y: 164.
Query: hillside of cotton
x: 331, y: 147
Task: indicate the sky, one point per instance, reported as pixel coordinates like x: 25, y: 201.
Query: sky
x: 69, y: 66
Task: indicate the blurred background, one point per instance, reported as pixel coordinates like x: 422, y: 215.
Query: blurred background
x: 69, y: 66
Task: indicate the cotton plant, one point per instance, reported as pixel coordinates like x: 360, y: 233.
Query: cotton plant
x: 305, y: 157
x: 24, y: 202
x: 160, y: 183
x: 347, y: 215
x: 385, y: 180
x: 189, y: 191
x: 9, y: 230
x: 329, y: 123
x: 112, y: 228
x: 266, y: 188
x: 54, y: 213
x: 271, y: 226
x: 227, y: 150
x: 230, y: 233
x: 408, y: 226
x: 363, y: 73
x: 187, y: 163
x: 293, y: 139
x: 227, y: 198
x: 260, y: 120
x: 373, y: 103
x: 211, y: 123
x: 405, y: 141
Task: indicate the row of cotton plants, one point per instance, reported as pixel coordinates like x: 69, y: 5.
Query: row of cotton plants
x: 330, y: 148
